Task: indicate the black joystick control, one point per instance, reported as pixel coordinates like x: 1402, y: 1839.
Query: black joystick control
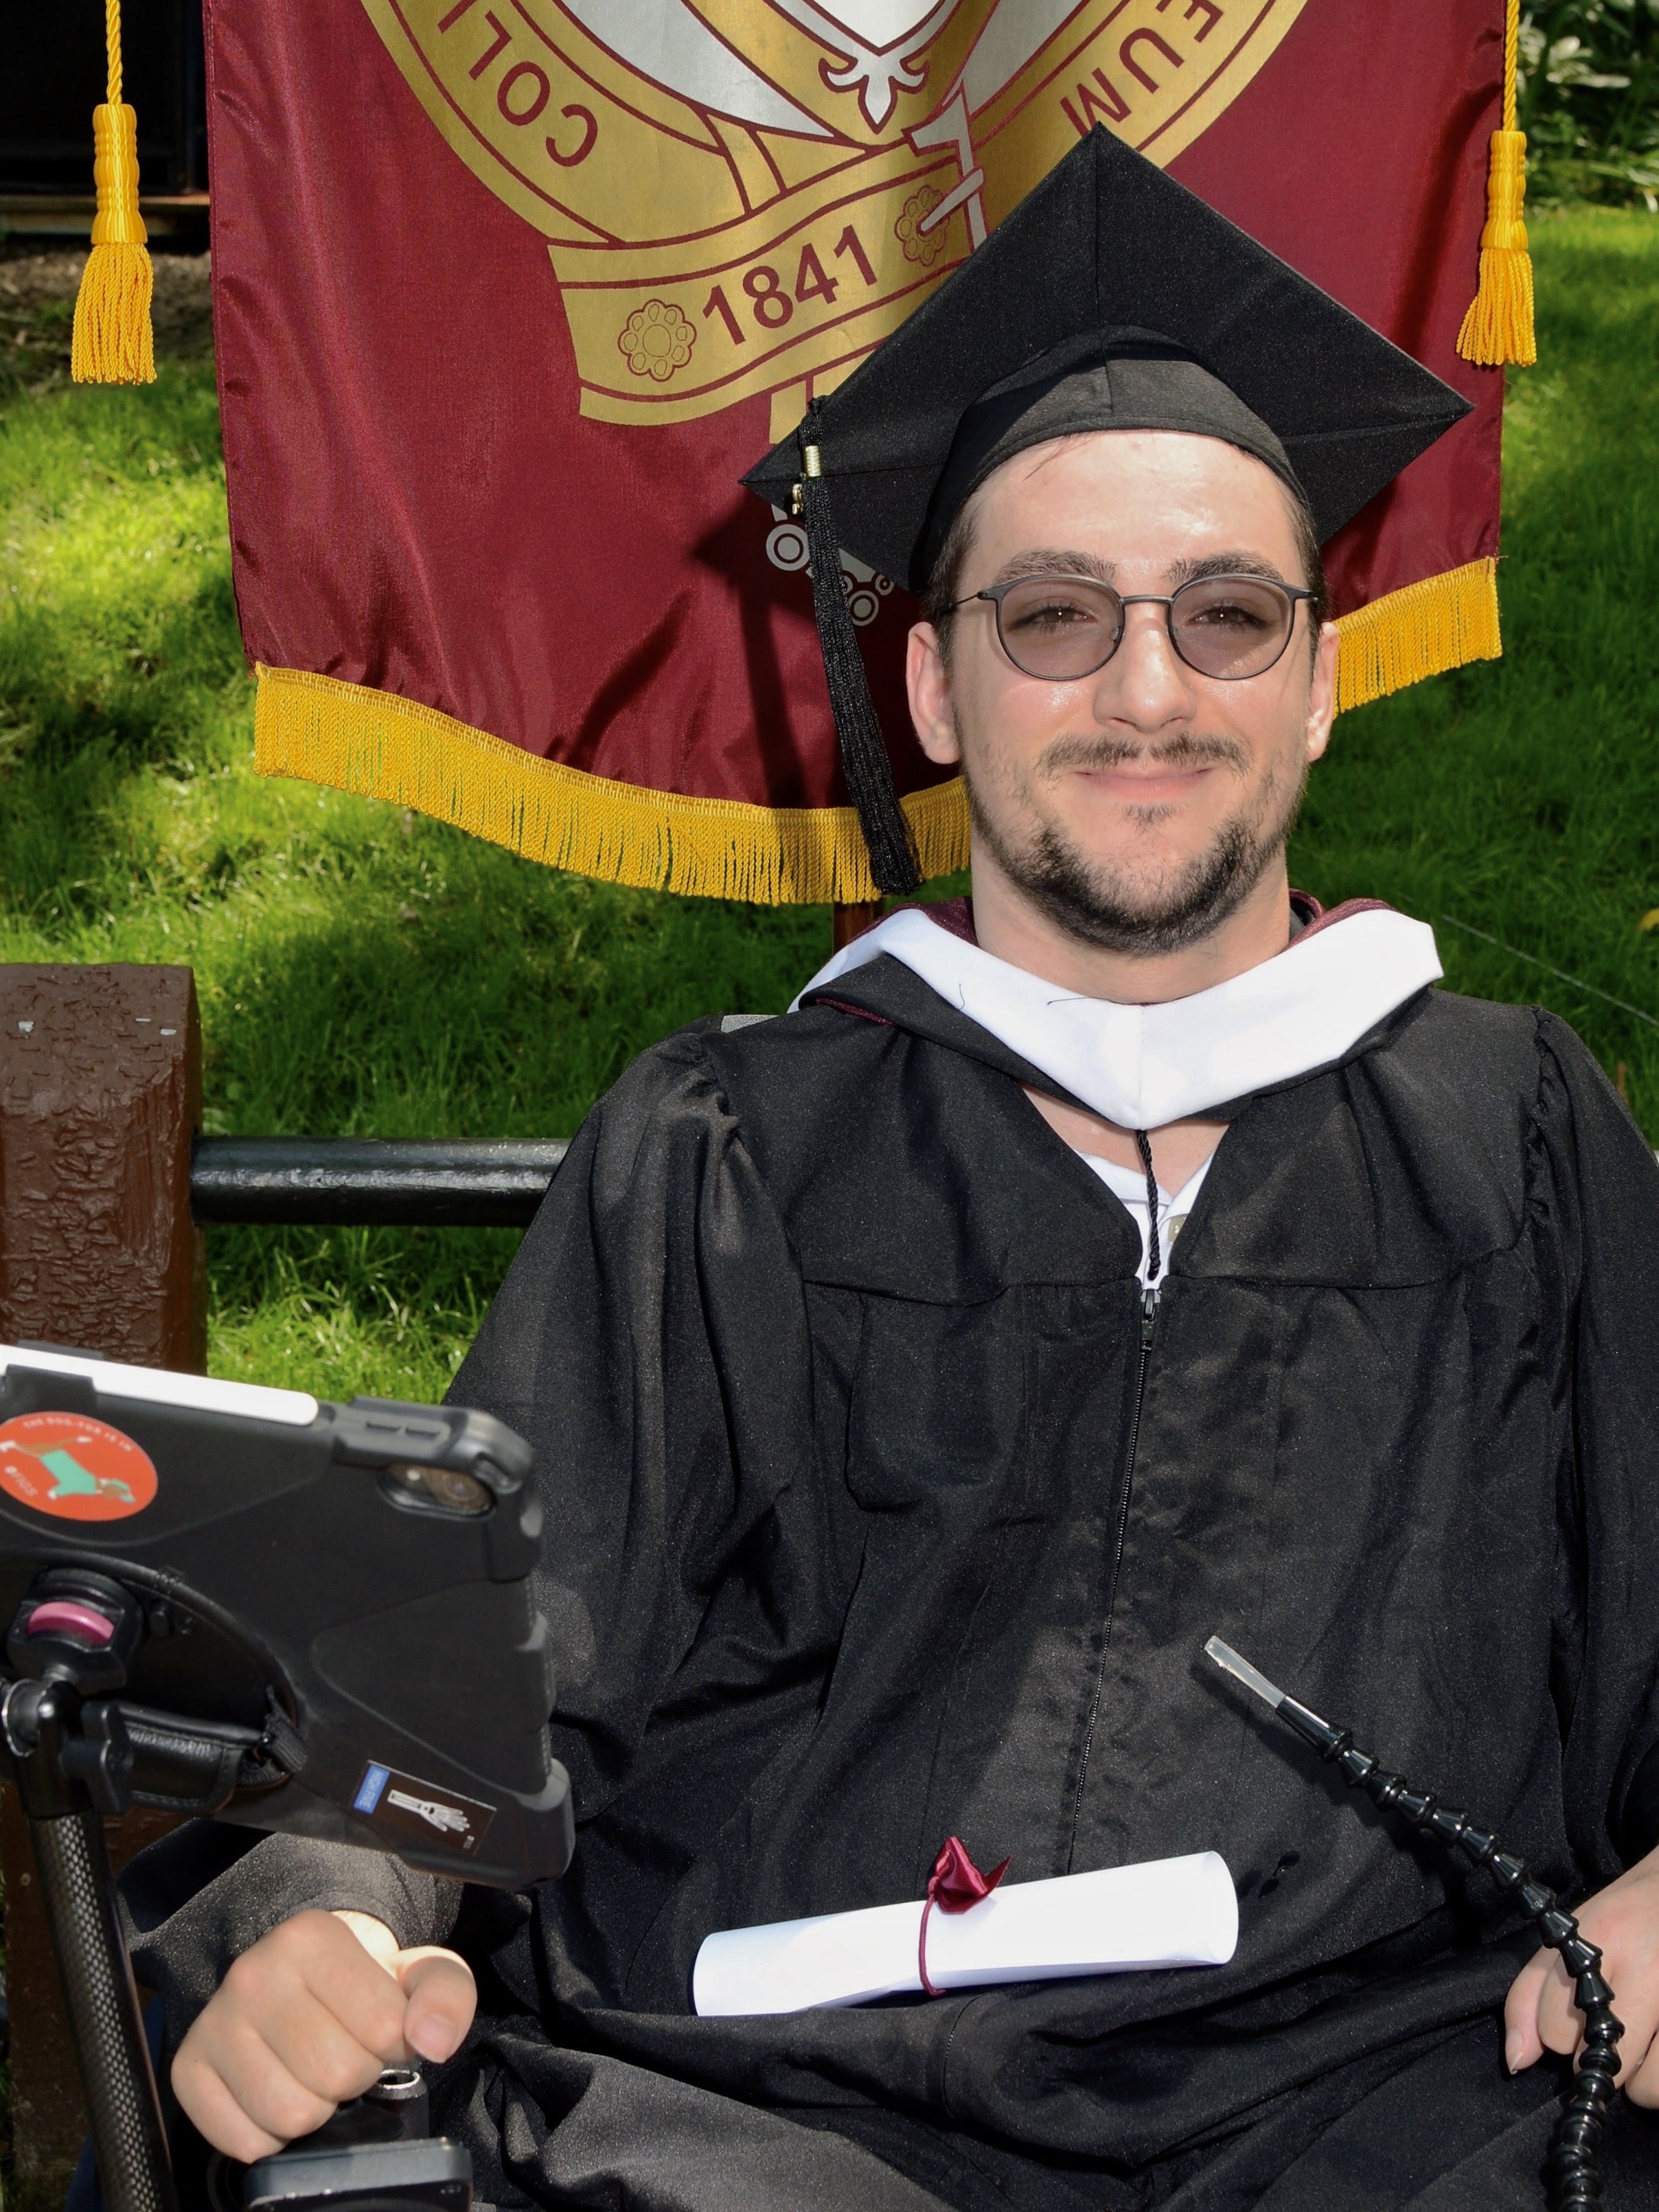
x: 376, y: 2152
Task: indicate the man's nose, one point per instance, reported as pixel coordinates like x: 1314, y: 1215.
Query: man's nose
x: 1146, y: 683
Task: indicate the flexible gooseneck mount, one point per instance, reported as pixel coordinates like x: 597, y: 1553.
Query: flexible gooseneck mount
x: 1574, y: 2171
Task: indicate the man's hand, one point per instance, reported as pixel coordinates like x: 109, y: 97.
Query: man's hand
x: 1539, y: 2014
x: 307, y: 2019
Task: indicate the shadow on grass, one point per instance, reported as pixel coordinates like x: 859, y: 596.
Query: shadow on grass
x: 450, y: 989
x: 130, y: 688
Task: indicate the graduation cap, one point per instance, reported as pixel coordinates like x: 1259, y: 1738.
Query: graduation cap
x: 1111, y: 298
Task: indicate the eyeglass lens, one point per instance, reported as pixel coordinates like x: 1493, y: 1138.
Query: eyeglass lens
x: 1060, y: 629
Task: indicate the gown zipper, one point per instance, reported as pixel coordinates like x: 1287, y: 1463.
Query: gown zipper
x: 1148, y: 1327
x: 1149, y: 1303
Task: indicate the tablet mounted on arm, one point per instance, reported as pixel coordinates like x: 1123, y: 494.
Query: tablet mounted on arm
x: 305, y: 1618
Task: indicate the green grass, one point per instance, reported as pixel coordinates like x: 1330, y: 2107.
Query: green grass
x: 365, y: 971
x: 361, y: 970
x: 1521, y: 797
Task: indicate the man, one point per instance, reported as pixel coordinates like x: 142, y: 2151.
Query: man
x: 919, y: 1379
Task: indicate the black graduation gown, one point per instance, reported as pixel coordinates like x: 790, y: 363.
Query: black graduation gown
x: 876, y: 1512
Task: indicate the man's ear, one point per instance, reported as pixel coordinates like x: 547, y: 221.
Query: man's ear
x: 1321, y: 693
x: 928, y: 682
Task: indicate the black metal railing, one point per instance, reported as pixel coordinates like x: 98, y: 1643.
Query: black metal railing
x: 373, y: 1181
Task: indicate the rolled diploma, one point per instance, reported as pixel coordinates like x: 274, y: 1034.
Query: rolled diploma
x: 1168, y: 1913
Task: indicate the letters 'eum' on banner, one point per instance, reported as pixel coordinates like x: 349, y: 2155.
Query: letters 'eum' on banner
x: 508, y: 294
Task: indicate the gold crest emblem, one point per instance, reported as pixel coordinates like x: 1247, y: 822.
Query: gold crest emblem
x: 743, y: 197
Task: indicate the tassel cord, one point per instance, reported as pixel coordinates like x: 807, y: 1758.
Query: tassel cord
x: 1144, y: 1147
x: 1511, y: 63
x: 113, y: 50
x: 869, y: 773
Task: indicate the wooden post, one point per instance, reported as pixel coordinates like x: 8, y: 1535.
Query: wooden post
x: 846, y: 922
x: 101, y: 1095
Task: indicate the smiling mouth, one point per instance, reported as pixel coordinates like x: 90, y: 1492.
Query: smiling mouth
x: 1142, y: 781
x: 1147, y: 772
x: 1114, y: 765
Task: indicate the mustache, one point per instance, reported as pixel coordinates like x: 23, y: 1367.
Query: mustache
x: 1188, y: 751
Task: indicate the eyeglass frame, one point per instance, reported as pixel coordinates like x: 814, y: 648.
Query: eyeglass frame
x: 997, y: 592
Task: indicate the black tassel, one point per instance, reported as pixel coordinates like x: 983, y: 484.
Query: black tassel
x: 869, y: 773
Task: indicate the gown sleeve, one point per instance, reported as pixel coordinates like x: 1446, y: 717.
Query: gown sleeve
x: 1602, y: 1182
x: 650, y: 1342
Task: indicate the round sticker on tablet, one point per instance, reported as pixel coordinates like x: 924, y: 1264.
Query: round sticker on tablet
x: 74, y: 1468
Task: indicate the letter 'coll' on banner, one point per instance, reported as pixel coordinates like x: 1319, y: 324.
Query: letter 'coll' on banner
x: 509, y: 294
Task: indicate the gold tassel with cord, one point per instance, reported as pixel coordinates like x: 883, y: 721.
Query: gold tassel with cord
x: 1499, y: 326
x: 113, y: 340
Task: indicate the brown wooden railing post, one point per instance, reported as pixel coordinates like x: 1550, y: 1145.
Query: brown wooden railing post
x: 846, y: 922
x: 101, y: 1095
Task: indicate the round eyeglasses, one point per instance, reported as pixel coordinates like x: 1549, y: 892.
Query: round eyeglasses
x: 1060, y: 628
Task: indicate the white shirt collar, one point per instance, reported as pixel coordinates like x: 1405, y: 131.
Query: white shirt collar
x: 1142, y: 1067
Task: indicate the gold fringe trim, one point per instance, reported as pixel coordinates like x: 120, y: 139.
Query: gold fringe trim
x: 114, y: 338
x: 376, y: 744
x: 1499, y: 326
x: 1418, y: 631
x: 385, y: 747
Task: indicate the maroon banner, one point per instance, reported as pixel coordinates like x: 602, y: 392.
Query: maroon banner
x: 509, y: 293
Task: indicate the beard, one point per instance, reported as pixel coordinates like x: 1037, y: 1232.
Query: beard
x: 1101, y: 904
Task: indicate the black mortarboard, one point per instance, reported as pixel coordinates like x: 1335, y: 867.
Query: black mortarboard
x: 1111, y: 298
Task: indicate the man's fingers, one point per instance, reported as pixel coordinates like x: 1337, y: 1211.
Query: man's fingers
x: 1540, y: 2015
x: 1522, y: 2044
x: 1637, y: 2004
x: 307, y: 2038
x: 441, y: 1997
x: 1643, y: 2086
x: 318, y: 1954
x: 1560, y: 2023
x: 305, y: 2019
x: 210, y: 2108
x: 263, y: 2089
x: 376, y: 1938
x: 1622, y: 1921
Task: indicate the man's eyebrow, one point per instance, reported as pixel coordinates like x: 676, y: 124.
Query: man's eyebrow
x: 1054, y: 560
x: 1223, y: 564
x: 1061, y: 560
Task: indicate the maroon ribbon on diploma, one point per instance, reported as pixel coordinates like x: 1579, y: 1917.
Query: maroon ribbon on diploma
x: 955, y: 1884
